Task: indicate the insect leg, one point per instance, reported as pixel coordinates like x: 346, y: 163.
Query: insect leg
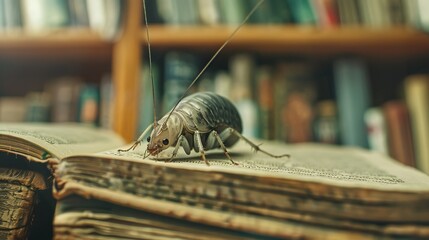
x: 254, y: 146
x: 176, y: 148
x: 197, y: 139
x: 138, y: 141
x: 219, y: 140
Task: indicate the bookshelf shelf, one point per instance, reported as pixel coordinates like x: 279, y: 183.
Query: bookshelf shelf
x: 68, y: 43
x: 290, y: 39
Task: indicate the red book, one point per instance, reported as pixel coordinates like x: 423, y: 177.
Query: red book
x: 399, y: 131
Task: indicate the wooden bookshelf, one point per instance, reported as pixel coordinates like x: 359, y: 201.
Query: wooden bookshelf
x: 125, y: 53
x: 294, y: 39
x: 63, y: 43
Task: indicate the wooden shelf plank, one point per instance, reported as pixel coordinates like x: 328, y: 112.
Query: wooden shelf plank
x: 293, y: 39
x: 67, y: 43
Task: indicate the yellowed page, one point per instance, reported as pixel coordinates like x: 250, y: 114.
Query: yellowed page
x: 323, y: 164
x: 59, y: 140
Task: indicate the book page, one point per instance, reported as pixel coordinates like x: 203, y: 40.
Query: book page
x: 58, y: 140
x: 322, y: 164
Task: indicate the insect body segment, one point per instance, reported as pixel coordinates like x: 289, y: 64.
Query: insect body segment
x: 200, y: 122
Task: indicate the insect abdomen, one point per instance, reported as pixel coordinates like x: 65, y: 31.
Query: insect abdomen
x: 208, y: 111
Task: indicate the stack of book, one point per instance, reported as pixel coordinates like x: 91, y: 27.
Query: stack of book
x: 29, y: 155
x: 321, y: 191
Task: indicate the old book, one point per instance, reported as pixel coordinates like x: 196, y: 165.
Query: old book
x: 322, y: 192
x: 20, y: 192
x: 29, y: 153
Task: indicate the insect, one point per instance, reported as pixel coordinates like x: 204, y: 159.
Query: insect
x: 200, y: 122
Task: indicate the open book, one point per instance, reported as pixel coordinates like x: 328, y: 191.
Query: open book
x: 29, y: 153
x: 320, y: 192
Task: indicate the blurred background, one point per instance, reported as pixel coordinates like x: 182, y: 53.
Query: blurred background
x: 348, y: 72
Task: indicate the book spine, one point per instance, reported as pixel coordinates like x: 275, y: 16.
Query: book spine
x: 2, y: 15
x: 12, y: 109
x: 302, y: 12
x: 78, y: 13
x: 423, y: 21
x: 88, y: 107
x: 107, y: 93
x: 401, y: 146
x: 180, y: 69
x: 417, y: 98
x: 351, y: 84
x: 266, y: 102
x: 241, y: 67
x: 64, y: 94
x: 41, y: 15
x: 232, y: 12
x: 208, y: 12
x: 12, y: 13
x: 38, y: 106
x: 326, y: 123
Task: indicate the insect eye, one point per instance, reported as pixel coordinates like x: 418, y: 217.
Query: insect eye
x: 148, y: 139
x: 165, y: 141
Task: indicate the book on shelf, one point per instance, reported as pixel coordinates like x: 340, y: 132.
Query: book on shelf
x: 12, y: 109
x: 63, y: 99
x: 302, y: 12
x: 64, y: 93
x: 88, y: 105
x: 265, y: 89
x: 106, y: 16
x: 179, y: 71
x: 294, y: 96
x: 241, y: 67
x: 400, y: 136
x: 353, y: 98
x: 326, y: 13
x: 322, y: 13
x: 37, y: 107
x: 12, y: 14
x: 41, y: 16
x: 107, y: 93
x: 417, y: 99
x: 326, y: 122
x: 29, y: 154
x: 79, y: 16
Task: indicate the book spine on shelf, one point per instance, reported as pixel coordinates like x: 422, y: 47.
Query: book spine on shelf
x: 88, y: 105
x: 107, y: 94
x: 180, y: 69
x: 400, y: 136
x: 417, y: 98
x: 242, y: 72
x: 351, y: 84
x: 78, y: 13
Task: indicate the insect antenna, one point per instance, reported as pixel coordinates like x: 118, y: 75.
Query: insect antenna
x: 213, y: 57
x: 150, y: 63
